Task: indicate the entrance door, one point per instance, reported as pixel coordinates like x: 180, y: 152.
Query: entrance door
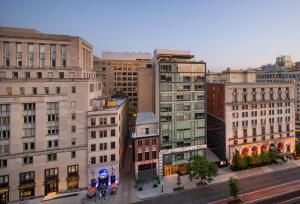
x: 182, y: 169
x: 4, y: 197
x: 51, y: 187
x: 169, y: 169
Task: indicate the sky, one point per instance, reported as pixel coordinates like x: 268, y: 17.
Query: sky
x: 224, y: 33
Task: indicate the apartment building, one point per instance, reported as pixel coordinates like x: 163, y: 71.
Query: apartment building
x: 249, y: 116
x: 180, y: 108
x: 107, y: 135
x: 146, y: 146
x: 47, y: 84
x: 119, y: 73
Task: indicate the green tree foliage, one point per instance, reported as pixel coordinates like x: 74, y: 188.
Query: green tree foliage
x: 202, y: 168
x: 234, y: 187
x: 236, y: 160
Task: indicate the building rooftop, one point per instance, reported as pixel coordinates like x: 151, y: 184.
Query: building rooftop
x: 126, y: 55
x: 146, y: 118
x: 172, y: 52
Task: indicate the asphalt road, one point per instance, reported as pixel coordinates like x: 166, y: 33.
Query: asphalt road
x: 220, y: 191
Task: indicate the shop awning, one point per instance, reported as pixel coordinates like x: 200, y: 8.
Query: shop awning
x: 184, y: 161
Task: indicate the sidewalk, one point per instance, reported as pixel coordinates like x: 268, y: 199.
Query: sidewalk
x: 169, y: 182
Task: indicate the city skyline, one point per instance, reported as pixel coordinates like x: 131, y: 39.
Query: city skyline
x: 224, y: 33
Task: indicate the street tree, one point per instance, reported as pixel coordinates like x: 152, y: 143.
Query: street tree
x: 234, y: 187
x: 202, y: 168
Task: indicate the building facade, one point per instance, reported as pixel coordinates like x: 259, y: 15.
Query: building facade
x: 47, y: 83
x: 180, y: 108
x: 146, y: 146
x: 119, y: 73
x: 107, y: 132
x: 256, y: 116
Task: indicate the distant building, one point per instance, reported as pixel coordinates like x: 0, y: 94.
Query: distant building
x: 180, y: 108
x: 249, y: 116
x: 46, y: 85
x: 146, y: 146
x: 119, y: 73
x: 284, y: 62
x: 107, y: 133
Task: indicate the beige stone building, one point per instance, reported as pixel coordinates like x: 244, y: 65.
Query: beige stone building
x: 47, y: 84
x: 249, y: 116
x: 119, y: 73
x: 107, y: 134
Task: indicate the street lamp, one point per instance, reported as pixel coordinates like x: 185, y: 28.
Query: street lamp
x: 162, y: 184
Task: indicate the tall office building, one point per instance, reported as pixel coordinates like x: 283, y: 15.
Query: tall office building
x: 248, y: 116
x: 47, y: 85
x: 180, y: 107
x: 119, y: 73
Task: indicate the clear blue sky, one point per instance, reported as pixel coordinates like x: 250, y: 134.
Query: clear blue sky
x: 235, y: 33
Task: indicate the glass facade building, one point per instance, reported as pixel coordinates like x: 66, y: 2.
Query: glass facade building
x: 181, y: 110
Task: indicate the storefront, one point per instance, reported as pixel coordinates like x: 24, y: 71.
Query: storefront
x: 51, y: 181
x: 27, y: 185
x: 73, y: 177
x: 176, y: 161
x: 4, y: 189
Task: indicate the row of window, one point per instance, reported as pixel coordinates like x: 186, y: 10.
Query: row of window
x: 102, y: 121
x: 102, y: 146
x: 263, y: 131
x: 146, y: 142
x: 102, y: 133
x: 147, y: 156
x: 29, y: 159
x: 103, y: 159
x: 262, y: 113
x: 263, y: 105
x: 30, y: 55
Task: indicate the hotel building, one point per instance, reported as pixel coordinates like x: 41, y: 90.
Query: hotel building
x: 180, y: 108
x: 47, y: 85
x: 107, y: 134
x: 249, y: 116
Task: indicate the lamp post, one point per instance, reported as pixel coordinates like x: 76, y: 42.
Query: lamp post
x: 162, y: 184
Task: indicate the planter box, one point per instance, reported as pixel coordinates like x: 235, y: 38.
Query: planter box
x: 179, y: 188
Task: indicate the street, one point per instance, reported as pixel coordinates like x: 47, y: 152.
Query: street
x: 220, y: 191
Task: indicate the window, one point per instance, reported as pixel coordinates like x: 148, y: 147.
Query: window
x: 29, y: 119
x: 19, y: 55
x: 103, y: 159
x: 146, y: 131
x: 103, y: 121
x: 53, y: 118
x: 34, y: 90
x: 146, y: 142
x: 103, y: 133
x: 153, y: 141
x: 103, y: 146
x: 58, y: 90
x: 53, y: 55
x: 153, y: 154
x: 147, y: 156
x: 72, y: 75
x: 6, y: 54
x: 112, y: 120
x: 52, y: 144
x: 42, y: 55
x: 39, y: 75
x: 63, y: 55
x: 9, y: 91
x: 61, y: 75
x: 73, y: 154
x: 92, y: 88
x: 50, y: 75
x: 140, y: 143
x: 27, y: 75
x: 52, y: 157
x: 73, y: 128
x: 93, y: 160
x: 73, y: 116
x: 29, y: 146
x: 27, y: 160
x: 15, y: 75
x: 93, y: 134
x: 140, y: 156
x: 4, y: 121
x: 27, y: 177
x: 93, y: 147
x: 73, y: 141
x: 46, y: 90
x: 73, y: 89
x: 113, y: 157
x: 3, y: 164
x: 113, y: 133
x: 112, y: 145
x: 30, y: 55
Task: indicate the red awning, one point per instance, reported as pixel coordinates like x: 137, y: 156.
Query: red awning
x: 254, y: 149
x: 280, y: 145
x: 264, y: 147
x: 245, y: 150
